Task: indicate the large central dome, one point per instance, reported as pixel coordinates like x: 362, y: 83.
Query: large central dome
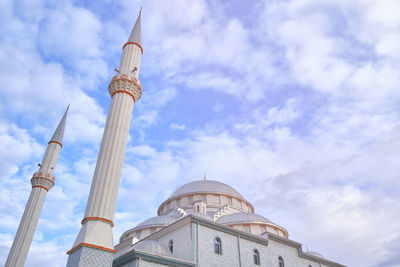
x: 205, y: 186
x: 213, y: 194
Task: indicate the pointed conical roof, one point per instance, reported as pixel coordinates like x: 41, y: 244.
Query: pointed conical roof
x: 136, y: 35
x: 59, y: 133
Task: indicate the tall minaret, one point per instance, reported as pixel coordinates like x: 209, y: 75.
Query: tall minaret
x: 41, y: 181
x: 94, y: 245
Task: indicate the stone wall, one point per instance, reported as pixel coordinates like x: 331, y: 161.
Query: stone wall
x: 182, y: 242
x: 206, y: 253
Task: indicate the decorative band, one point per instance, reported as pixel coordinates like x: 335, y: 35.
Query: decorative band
x: 89, y: 245
x: 41, y: 187
x: 97, y: 218
x: 134, y: 44
x: 52, y: 141
x: 126, y: 92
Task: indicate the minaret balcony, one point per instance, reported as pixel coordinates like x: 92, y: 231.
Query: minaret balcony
x: 123, y: 84
x: 45, y: 181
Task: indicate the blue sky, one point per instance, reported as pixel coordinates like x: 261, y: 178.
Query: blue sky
x: 293, y: 103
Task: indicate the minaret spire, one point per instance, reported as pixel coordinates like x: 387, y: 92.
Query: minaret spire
x: 94, y: 243
x: 59, y: 133
x: 136, y: 35
x: 42, y: 181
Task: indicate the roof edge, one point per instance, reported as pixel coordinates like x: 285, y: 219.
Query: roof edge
x: 136, y: 254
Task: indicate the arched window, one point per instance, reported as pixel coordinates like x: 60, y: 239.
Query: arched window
x: 171, y: 246
x: 256, y: 256
x: 197, y: 209
x: 217, y: 246
x: 281, y: 262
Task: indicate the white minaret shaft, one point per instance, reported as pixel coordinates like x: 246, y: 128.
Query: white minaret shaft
x: 41, y: 181
x: 96, y: 232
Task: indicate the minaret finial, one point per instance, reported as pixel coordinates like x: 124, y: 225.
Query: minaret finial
x: 205, y: 177
x: 59, y: 133
x: 136, y: 35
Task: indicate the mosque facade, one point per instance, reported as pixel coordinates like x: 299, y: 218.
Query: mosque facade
x: 203, y: 223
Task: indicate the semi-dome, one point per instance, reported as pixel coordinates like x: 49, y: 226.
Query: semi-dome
x: 153, y: 247
x: 243, y: 217
x: 205, y: 186
x: 241, y: 220
x: 156, y: 221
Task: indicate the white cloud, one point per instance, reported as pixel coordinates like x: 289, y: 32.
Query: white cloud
x: 19, y: 145
x: 175, y: 126
x: 71, y: 34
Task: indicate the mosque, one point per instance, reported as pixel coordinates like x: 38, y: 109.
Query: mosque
x: 202, y: 223
x: 209, y: 223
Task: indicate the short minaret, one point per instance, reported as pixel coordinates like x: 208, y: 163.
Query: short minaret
x: 94, y: 245
x: 41, y: 181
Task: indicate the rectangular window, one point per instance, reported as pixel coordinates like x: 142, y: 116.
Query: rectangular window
x: 204, y: 198
x: 138, y: 234
x: 190, y: 200
x: 230, y: 201
x: 246, y: 228
x: 152, y: 230
x: 178, y: 202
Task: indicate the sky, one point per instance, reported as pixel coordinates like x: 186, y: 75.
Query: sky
x: 293, y: 103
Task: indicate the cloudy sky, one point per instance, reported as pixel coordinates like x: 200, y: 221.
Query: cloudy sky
x: 294, y: 103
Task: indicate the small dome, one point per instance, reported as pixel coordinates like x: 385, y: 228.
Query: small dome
x: 243, y: 217
x: 316, y: 254
x: 152, y: 222
x: 156, y: 221
x: 206, y: 186
x: 153, y: 247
